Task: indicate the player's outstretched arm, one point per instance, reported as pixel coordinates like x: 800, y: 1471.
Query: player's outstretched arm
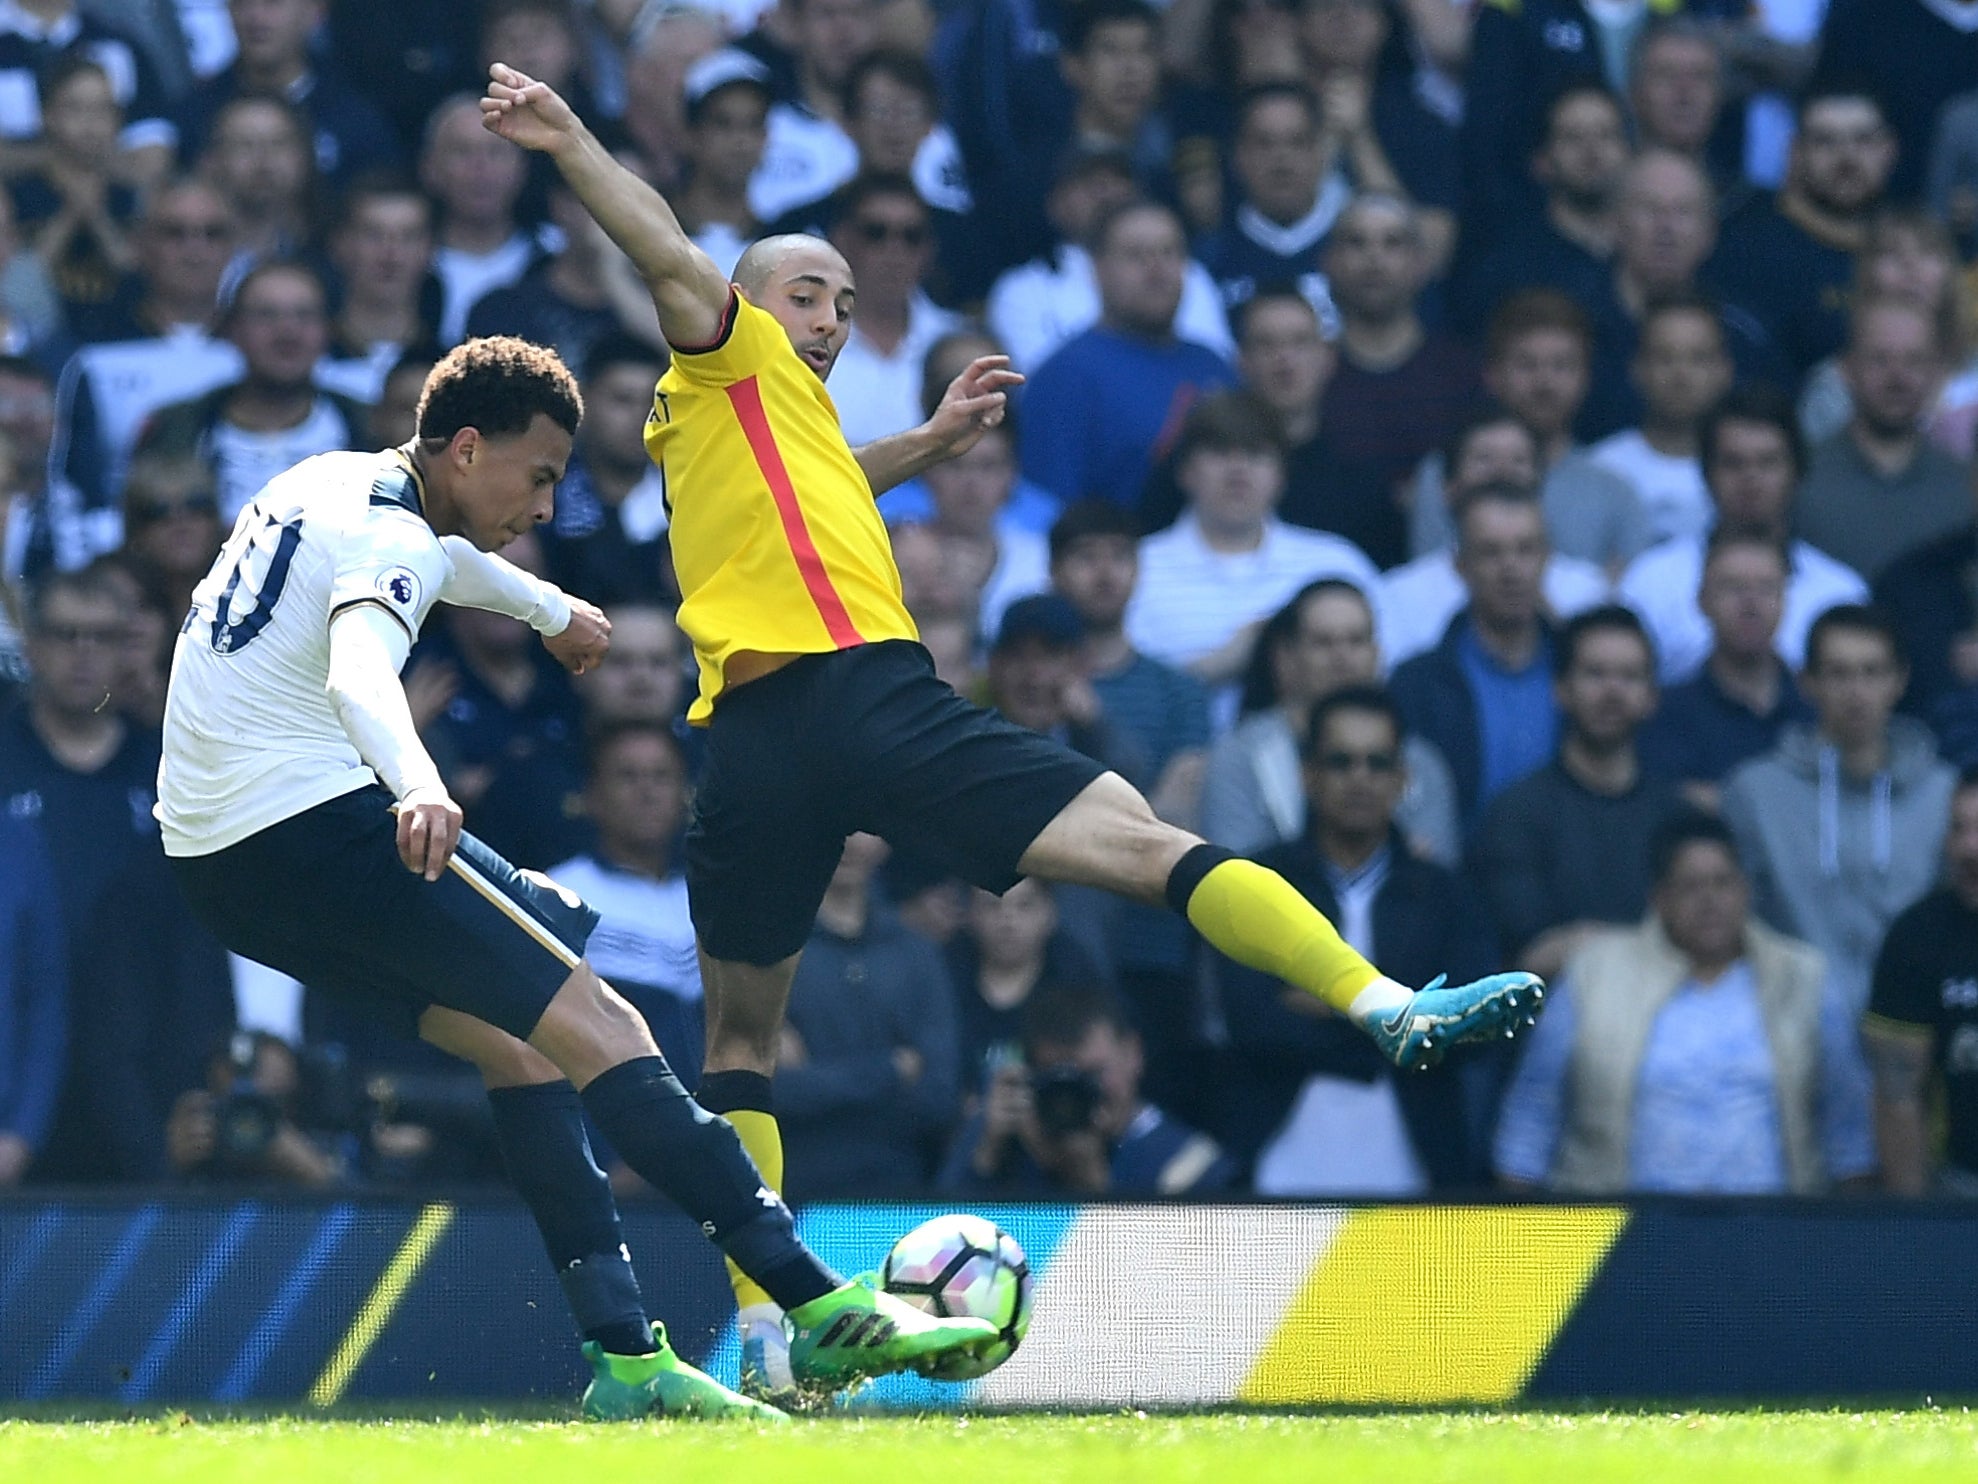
x: 687, y: 289
x: 367, y: 645
x: 971, y: 406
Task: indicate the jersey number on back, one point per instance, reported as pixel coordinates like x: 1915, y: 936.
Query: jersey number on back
x: 276, y: 543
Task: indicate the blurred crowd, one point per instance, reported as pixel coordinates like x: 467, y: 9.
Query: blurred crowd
x: 1507, y: 465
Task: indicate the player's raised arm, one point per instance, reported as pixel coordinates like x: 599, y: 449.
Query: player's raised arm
x: 687, y: 289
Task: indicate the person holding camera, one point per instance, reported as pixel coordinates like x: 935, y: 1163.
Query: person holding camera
x: 242, y: 1126
x: 1068, y: 1118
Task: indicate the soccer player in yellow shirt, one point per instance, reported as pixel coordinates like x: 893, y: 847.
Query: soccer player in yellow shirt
x: 823, y: 712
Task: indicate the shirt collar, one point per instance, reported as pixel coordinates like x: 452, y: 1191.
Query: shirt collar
x: 1289, y: 239
x: 1472, y: 648
x: 1365, y: 877
x: 1188, y: 526
x: 58, y: 32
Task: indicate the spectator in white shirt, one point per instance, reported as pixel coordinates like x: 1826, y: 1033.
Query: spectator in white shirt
x: 1253, y: 797
x: 382, y: 249
x: 665, y: 41
x: 809, y: 152
x: 262, y: 156
x: 636, y: 797
x: 157, y: 345
x: 1036, y: 307
x: 727, y: 101
x: 893, y: 117
x: 1753, y: 460
x: 477, y: 179
x: 1419, y: 598
x: 1681, y: 369
x: 1029, y: 507
x: 1538, y: 360
x: 993, y: 557
x: 1208, y: 581
x: 886, y: 235
x: 275, y: 416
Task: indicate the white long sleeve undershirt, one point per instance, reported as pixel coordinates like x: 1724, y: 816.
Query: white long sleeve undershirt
x: 480, y: 579
x: 368, y: 644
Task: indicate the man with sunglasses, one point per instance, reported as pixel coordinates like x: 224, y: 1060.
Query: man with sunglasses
x: 1310, y: 1099
x: 886, y: 234
x: 823, y: 711
x: 1565, y: 850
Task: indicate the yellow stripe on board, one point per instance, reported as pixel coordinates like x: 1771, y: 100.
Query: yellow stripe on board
x: 378, y: 1308
x: 1433, y: 1305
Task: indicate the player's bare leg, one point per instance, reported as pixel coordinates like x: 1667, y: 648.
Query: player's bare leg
x: 745, y: 1005
x: 1109, y: 837
x: 539, y: 1120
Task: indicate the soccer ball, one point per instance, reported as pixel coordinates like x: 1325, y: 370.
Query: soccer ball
x: 962, y: 1266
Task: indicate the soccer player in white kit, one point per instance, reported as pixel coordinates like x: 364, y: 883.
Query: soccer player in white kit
x: 311, y: 831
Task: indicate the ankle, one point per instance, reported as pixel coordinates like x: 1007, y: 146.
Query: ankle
x: 1378, y: 1001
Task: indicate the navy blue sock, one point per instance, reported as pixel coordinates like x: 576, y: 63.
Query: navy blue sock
x: 696, y: 1161
x: 541, y: 1129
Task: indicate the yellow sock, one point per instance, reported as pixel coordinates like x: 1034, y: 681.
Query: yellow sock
x: 1256, y: 917
x: 764, y: 1141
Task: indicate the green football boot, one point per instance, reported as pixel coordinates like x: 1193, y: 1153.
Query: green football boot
x: 626, y: 1387
x: 861, y: 1330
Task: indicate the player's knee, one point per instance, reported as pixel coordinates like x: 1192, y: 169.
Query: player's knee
x: 589, y: 1026
x: 617, y: 1019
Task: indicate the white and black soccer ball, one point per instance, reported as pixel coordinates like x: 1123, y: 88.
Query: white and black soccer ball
x: 960, y: 1266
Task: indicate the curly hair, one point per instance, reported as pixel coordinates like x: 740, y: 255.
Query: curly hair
x: 497, y: 384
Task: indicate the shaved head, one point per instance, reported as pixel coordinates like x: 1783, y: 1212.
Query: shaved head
x: 807, y: 285
x: 762, y: 258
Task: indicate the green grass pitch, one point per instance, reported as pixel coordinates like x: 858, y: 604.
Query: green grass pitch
x: 1675, y: 1447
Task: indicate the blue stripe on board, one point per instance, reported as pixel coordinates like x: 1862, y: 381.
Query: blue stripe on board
x: 130, y: 1246
x: 239, y: 1380
x: 856, y: 1240
x: 40, y: 1232
x: 144, y: 1375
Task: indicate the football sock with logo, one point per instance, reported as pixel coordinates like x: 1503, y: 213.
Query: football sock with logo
x: 744, y: 1099
x: 696, y: 1161
x: 1256, y: 917
x: 541, y: 1132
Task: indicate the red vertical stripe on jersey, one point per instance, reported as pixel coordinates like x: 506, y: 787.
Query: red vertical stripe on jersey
x: 746, y: 397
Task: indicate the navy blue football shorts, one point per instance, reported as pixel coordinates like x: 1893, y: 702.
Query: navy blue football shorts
x: 323, y: 897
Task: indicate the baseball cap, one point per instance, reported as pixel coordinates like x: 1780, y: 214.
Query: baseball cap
x: 718, y: 70
x: 1046, y: 616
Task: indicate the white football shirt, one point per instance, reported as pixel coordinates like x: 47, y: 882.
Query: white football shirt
x: 251, y: 737
x: 645, y: 935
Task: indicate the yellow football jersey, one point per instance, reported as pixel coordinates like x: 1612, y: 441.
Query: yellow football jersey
x: 776, y: 541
